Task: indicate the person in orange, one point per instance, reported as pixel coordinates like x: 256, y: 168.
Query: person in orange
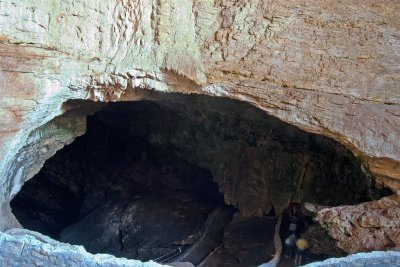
x: 301, y: 245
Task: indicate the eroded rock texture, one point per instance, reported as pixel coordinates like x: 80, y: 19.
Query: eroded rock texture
x: 364, y: 227
x: 376, y: 258
x: 329, y: 67
x: 321, y: 243
x: 26, y: 248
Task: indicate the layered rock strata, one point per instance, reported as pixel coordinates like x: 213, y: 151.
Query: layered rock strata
x: 330, y: 68
x: 25, y: 248
x: 375, y: 258
x: 365, y: 227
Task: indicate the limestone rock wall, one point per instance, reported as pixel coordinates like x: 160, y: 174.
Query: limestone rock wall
x: 375, y: 258
x: 329, y: 67
x: 26, y: 248
x: 365, y: 227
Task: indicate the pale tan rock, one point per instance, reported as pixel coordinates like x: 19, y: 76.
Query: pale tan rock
x: 368, y: 226
x: 327, y: 67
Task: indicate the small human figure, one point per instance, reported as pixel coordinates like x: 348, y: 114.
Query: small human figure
x: 301, y: 245
x: 290, y: 243
x: 293, y: 225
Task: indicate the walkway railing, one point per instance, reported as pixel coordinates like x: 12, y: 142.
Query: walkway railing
x: 169, y: 256
x: 214, y: 223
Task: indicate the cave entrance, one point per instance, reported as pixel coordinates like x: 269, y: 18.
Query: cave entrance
x: 148, y: 179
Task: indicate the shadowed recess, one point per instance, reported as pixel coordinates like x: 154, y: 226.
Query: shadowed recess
x: 147, y: 177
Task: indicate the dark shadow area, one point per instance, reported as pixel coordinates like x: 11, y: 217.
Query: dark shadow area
x: 320, y: 245
x: 147, y: 176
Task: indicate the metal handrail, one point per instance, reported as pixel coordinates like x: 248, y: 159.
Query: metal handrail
x: 169, y: 255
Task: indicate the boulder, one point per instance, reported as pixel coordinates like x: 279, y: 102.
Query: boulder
x: 364, y: 227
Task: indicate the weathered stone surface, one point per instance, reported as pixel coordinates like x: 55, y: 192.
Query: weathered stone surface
x: 25, y: 248
x: 320, y: 243
x: 328, y: 67
x: 368, y: 226
x: 376, y: 258
x: 42, y: 143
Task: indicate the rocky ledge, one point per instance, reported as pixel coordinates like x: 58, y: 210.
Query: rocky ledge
x: 368, y: 226
x: 375, y: 258
x: 27, y: 248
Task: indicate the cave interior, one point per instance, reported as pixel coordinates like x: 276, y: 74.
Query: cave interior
x: 149, y: 178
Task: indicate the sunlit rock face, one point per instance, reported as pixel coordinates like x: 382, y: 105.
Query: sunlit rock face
x: 329, y: 68
x: 364, y: 227
x: 20, y: 247
x: 375, y: 258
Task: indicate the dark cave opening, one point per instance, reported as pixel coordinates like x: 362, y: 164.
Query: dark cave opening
x: 147, y: 177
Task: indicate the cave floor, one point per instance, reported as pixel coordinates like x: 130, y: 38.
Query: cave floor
x: 145, y: 227
x: 246, y: 242
x: 155, y: 226
x: 144, y: 179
